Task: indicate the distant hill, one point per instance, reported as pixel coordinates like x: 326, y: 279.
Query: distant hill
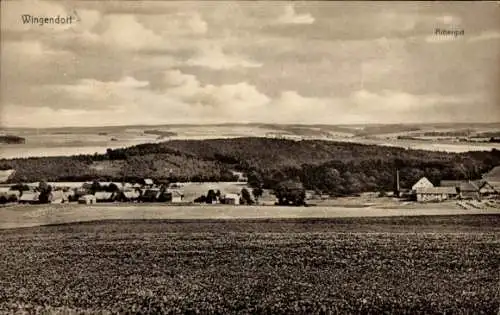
x: 326, y: 166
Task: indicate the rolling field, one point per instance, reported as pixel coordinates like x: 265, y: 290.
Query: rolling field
x: 35, y: 215
x: 403, y: 265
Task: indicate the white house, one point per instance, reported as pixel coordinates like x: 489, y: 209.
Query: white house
x: 29, y: 197
x: 231, y: 199
x: 87, y: 199
x: 422, y: 183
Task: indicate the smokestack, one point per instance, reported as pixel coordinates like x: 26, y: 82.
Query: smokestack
x: 397, y: 181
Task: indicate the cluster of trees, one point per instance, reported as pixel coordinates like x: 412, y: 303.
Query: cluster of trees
x: 10, y: 139
x: 323, y: 166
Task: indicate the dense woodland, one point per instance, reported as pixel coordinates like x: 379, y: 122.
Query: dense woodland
x: 324, y: 166
x: 10, y: 139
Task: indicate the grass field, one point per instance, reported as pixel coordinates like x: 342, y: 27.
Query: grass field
x: 403, y: 265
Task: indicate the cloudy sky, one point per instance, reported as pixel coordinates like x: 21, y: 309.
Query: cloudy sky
x: 139, y: 62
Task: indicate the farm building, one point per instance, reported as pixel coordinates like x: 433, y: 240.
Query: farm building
x: 147, y: 182
x: 129, y: 195
x: 493, y: 175
x: 465, y: 189
x: 103, y: 196
x: 150, y: 195
x: 422, y: 183
x: 425, y: 194
x: 487, y: 190
x: 87, y: 199
x: 57, y: 196
x: 29, y: 197
x: 174, y: 196
x: 493, y: 178
x: 231, y: 199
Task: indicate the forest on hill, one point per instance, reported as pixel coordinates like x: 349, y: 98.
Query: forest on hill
x: 336, y: 168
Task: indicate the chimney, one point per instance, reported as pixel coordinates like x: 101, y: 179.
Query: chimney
x: 397, y: 182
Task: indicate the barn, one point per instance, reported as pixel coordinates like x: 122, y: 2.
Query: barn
x: 427, y: 194
x: 422, y: 183
x: 231, y: 199
x: 87, y: 199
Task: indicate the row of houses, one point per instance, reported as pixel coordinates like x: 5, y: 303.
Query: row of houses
x: 88, y: 194
x: 487, y: 187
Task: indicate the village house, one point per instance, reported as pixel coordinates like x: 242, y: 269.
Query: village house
x: 174, y: 196
x: 231, y: 199
x: 147, y: 182
x: 87, y: 199
x: 103, y: 196
x: 150, y: 195
x: 29, y: 197
x: 128, y: 196
x: 493, y: 178
x: 487, y: 190
x: 422, y: 183
x: 57, y: 196
x: 465, y: 189
x: 427, y: 194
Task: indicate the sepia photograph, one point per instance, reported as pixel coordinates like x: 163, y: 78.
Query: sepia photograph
x: 249, y: 157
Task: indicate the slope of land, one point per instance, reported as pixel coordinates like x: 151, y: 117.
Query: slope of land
x: 364, y: 265
x: 334, y: 167
x: 89, y: 140
x: 36, y: 215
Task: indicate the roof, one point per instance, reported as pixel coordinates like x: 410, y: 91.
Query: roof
x: 463, y: 184
x: 148, y: 181
x: 437, y: 190
x: 87, y: 197
x: 131, y: 194
x: 27, y: 195
x: 495, y: 185
x: 57, y: 194
x: 231, y: 196
x: 493, y: 175
x: 103, y: 195
x: 468, y: 186
x: 451, y: 183
x: 175, y: 193
x: 422, y: 181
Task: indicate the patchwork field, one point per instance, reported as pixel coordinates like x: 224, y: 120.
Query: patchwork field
x: 90, y: 140
x: 403, y: 265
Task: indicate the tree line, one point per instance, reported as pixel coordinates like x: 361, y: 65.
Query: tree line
x: 323, y: 166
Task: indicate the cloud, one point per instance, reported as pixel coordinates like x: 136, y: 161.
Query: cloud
x: 213, y: 57
x: 125, y: 32
x: 487, y: 35
x: 449, y: 20
x: 181, y: 98
x: 291, y: 17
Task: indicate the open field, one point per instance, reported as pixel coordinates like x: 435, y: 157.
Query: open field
x: 403, y: 265
x: 35, y: 215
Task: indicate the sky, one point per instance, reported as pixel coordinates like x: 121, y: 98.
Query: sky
x: 166, y: 62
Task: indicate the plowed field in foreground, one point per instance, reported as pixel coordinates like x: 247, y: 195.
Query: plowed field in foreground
x: 436, y: 264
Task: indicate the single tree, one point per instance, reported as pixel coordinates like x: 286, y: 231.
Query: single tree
x: 246, y: 198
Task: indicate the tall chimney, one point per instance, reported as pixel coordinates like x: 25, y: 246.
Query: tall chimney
x: 397, y: 181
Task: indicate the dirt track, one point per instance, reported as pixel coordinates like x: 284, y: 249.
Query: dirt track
x: 35, y: 215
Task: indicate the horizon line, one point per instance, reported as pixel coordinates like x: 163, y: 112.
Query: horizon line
x: 254, y: 123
